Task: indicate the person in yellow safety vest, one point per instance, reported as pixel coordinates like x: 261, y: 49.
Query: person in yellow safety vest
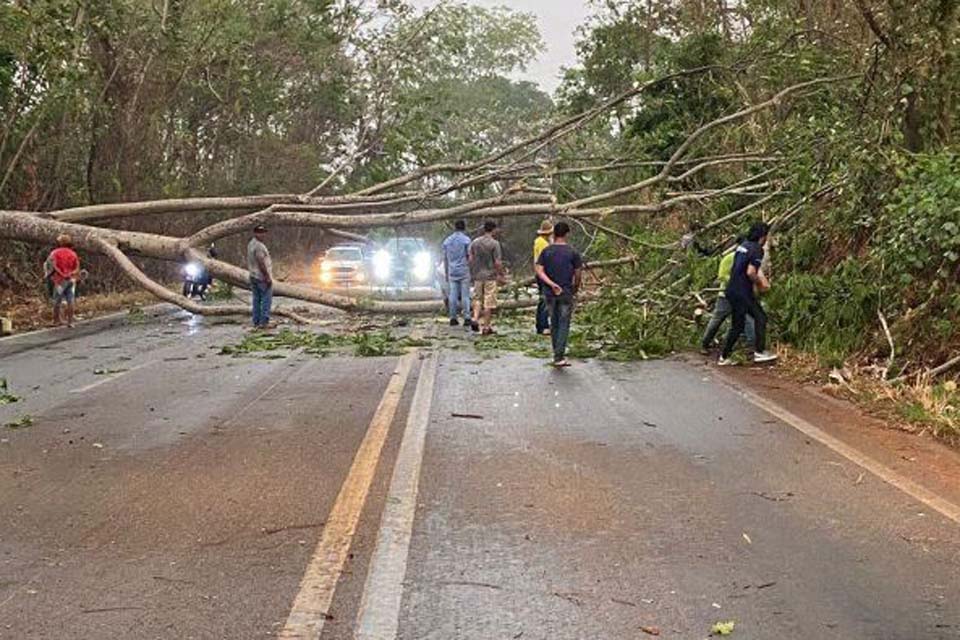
x: 722, y: 309
x: 539, y: 244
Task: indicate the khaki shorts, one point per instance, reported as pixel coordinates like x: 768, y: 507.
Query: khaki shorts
x: 485, y: 294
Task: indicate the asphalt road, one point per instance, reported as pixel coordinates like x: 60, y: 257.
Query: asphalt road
x: 166, y: 491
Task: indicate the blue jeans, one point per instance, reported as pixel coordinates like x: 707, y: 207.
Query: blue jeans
x: 543, y: 313
x: 561, y: 312
x: 262, y: 301
x: 459, y: 291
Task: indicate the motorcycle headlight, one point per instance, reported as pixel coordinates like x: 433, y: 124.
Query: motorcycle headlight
x: 382, y: 261
x: 192, y: 269
x: 421, y: 266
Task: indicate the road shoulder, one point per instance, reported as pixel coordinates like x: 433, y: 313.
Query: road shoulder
x: 923, y: 460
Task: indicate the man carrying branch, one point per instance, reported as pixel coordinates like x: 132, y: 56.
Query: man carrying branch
x: 560, y: 268
x: 745, y: 276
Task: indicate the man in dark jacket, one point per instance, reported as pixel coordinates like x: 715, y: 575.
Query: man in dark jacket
x: 746, y: 278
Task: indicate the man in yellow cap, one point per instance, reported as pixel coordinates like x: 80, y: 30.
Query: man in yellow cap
x: 541, y: 242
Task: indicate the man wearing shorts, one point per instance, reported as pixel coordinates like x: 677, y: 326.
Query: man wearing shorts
x: 486, y: 267
x: 65, y: 265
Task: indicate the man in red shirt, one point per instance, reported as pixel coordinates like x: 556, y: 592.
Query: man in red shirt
x: 65, y: 265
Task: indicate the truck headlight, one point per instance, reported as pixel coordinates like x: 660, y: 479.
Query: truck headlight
x: 382, y: 261
x: 421, y: 266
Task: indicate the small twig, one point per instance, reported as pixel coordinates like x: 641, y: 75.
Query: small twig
x: 946, y: 366
x: 292, y: 527
x: 173, y: 580
x: 893, y: 350
x: 767, y: 496
x: 470, y: 583
x: 569, y: 597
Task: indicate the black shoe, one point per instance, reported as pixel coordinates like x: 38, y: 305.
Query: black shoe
x: 454, y: 322
x: 475, y: 326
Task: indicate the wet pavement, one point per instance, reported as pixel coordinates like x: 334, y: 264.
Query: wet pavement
x: 166, y: 491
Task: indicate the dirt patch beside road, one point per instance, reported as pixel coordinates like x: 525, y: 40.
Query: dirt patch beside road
x: 29, y: 312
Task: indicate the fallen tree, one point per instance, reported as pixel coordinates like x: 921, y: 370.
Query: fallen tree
x: 514, y: 182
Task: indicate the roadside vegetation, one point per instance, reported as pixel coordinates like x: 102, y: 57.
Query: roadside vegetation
x: 866, y: 260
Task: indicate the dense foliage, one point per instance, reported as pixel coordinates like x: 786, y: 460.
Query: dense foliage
x: 881, y: 239
x: 120, y: 100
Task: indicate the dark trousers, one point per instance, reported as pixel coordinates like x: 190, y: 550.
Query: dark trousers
x: 543, y: 313
x: 745, y: 305
x: 721, y: 311
x: 561, y: 312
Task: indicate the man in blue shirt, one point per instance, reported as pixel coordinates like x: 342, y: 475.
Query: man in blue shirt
x: 457, y: 270
x: 745, y: 276
x: 560, y: 267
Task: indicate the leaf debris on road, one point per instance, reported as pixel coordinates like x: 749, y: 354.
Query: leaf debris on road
x: 5, y: 396
x: 365, y: 345
x: 723, y: 628
x: 20, y: 422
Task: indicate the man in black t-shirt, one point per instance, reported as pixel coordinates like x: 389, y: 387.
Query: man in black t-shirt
x: 746, y: 275
x: 560, y: 267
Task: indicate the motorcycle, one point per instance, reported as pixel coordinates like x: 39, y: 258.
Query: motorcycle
x: 196, y: 280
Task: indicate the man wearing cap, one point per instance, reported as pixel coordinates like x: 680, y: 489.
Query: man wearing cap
x: 261, y: 277
x: 64, y: 266
x: 541, y: 242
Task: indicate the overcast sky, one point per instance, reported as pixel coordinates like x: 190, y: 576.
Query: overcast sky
x: 558, y: 19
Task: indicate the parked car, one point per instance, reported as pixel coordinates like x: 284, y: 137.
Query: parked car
x: 344, y: 265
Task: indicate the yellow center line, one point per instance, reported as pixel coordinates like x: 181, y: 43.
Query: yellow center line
x: 313, y: 600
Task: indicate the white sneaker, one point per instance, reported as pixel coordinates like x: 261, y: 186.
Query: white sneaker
x: 725, y: 362
x: 764, y: 356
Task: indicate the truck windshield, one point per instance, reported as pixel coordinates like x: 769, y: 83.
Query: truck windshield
x: 344, y: 253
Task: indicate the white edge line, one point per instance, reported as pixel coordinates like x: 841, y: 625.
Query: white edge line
x: 914, y: 490
x: 379, y: 615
